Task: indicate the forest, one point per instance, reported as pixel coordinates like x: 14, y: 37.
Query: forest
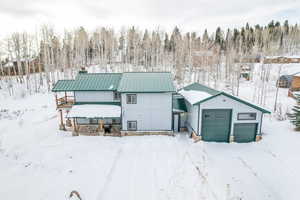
x: 210, y: 58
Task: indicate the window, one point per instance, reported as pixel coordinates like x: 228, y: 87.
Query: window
x: 132, y: 125
x: 93, y: 121
x: 131, y: 98
x: 246, y: 116
x: 117, y: 96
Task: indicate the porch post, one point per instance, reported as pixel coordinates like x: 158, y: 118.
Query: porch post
x: 66, y: 97
x: 56, y: 100
x: 100, y: 125
x: 75, y: 128
x: 61, y: 126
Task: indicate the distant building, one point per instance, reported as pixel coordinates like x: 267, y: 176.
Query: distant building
x: 10, y: 67
x: 285, y: 81
x: 295, y: 85
x: 281, y: 59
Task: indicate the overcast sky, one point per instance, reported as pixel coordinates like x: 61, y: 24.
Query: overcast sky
x: 189, y: 15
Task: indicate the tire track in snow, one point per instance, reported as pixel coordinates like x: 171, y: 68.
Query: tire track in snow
x: 110, y: 174
x: 203, y: 176
x: 256, y: 175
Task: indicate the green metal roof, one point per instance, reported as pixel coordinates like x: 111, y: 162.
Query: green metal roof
x: 214, y: 93
x: 179, y: 104
x: 202, y: 88
x: 63, y: 85
x: 89, y: 82
x: 97, y: 81
x: 146, y: 82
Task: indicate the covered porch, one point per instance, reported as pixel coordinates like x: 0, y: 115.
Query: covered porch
x: 64, y: 94
x: 95, y: 120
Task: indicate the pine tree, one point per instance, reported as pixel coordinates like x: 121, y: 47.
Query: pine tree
x: 294, y: 117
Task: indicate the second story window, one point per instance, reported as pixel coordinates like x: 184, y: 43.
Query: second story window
x: 117, y: 96
x: 131, y: 98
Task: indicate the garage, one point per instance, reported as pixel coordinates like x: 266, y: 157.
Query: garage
x: 245, y: 132
x: 216, y: 125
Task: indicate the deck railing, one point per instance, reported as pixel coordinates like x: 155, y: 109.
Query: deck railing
x: 65, y: 102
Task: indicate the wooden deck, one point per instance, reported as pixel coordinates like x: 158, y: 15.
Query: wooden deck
x: 65, y: 102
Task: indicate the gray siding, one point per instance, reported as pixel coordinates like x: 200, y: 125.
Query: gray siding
x: 94, y: 96
x: 223, y: 102
x: 153, y: 111
x: 192, y: 118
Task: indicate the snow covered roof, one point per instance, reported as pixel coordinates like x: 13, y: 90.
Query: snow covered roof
x: 194, y: 96
x: 94, y: 111
x: 197, y: 94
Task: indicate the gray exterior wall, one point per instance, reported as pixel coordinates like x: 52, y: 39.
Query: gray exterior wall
x: 192, y: 117
x: 153, y: 111
x: 94, y: 96
x: 224, y: 102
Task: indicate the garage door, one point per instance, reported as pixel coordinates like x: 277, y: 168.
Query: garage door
x: 245, y: 132
x: 216, y: 125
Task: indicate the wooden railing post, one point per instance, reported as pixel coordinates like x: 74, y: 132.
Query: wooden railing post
x: 56, y: 101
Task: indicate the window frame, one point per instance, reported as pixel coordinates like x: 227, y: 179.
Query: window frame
x: 250, y: 113
x: 129, y: 96
x: 132, y: 121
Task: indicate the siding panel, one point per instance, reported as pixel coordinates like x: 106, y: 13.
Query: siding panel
x: 153, y: 111
x: 94, y: 96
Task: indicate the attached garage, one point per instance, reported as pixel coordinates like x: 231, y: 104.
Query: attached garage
x: 220, y: 117
x: 216, y: 125
x: 245, y: 132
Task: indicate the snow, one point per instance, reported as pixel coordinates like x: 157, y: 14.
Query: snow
x: 95, y: 111
x: 194, y: 96
x: 37, y: 161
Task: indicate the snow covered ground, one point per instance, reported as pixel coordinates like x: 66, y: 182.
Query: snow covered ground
x: 39, y: 162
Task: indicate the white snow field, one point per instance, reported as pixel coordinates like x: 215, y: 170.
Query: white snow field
x: 39, y: 162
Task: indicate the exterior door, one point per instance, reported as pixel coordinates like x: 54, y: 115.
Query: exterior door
x: 176, y: 123
x: 245, y: 132
x: 216, y: 125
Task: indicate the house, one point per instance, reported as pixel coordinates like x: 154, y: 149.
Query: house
x: 113, y: 103
x: 217, y: 116
x: 285, y: 81
x: 30, y: 65
x: 281, y: 59
x: 140, y: 103
x: 295, y: 85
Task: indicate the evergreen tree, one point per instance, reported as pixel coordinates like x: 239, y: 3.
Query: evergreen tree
x: 294, y: 117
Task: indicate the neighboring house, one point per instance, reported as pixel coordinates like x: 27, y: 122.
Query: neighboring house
x: 221, y: 117
x: 285, y: 81
x: 30, y: 65
x: 138, y: 103
x: 295, y: 85
x: 281, y: 59
x: 114, y: 103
